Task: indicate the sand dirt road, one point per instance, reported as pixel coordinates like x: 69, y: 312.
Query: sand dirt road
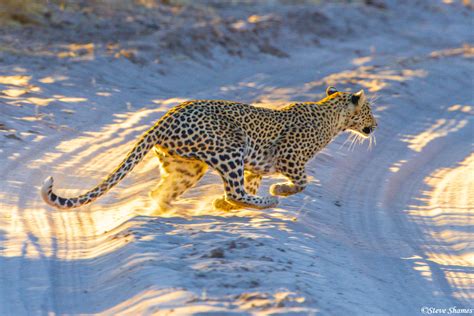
x: 385, y: 231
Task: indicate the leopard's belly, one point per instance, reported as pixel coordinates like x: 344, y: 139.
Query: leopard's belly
x: 260, y: 162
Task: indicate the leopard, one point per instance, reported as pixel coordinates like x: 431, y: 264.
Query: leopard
x: 241, y: 142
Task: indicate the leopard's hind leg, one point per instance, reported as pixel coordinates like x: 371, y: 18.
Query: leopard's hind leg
x: 177, y: 175
x: 252, y: 182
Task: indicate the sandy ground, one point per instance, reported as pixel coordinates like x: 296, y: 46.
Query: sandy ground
x: 385, y: 231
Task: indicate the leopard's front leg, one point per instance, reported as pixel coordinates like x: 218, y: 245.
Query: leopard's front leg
x: 296, y: 174
x: 231, y: 169
x: 251, y: 183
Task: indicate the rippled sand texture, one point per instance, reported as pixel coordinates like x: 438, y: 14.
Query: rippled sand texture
x: 383, y: 231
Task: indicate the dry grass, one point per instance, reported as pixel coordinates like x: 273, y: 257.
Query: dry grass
x: 21, y: 11
x: 27, y: 12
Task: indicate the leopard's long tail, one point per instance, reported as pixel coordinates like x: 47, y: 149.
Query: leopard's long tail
x: 135, y: 156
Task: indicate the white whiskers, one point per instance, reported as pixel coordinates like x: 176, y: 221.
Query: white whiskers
x: 349, y: 138
x: 373, y: 99
x: 372, y: 141
x: 356, y: 139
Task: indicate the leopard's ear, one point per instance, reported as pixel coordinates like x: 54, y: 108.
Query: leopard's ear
x: 330, y: 90
x: 357, y: 100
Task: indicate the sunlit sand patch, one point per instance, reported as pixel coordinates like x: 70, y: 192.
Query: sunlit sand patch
x: 369, y: 77
x: 14, y: 156
x: 461, y: 108
x: 19, y: 81
x: 466, y: 51
x: 165, y: 104
x: 184, y: 302
x: 424, y: 269
x: 85, y: 226
x: 52, y: 79
x: 63, y: 98
x: 201, y: 206
x: 108, y: 137
x: 253, y: 85
x: 164, y: 300
x: 260, y: 18
x: 14, y: 92
x: 103, y: 94
x: 85, y: 51
x: 277, y: 96
x: 449, y: 215
x: 362, y: 60
x: 170, y: 101
x: 459, y: 244
x: 47, y: 80
x: 19, y: 91
x: 463, y: 282
x: 264, y: 95
x: 440, y: 128
x: 38, y: 101
x: 260, y: 300
x: 269, y: 102
x: 397, y: 165
x: 380, y: 108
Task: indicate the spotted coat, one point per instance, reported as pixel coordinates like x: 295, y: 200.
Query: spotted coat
x: 241, y: 142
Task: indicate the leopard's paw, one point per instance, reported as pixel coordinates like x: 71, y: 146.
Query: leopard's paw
x: 223, y: 205
x: 282, y: 189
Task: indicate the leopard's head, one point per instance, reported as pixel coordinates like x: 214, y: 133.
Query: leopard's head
x: 358, y: 114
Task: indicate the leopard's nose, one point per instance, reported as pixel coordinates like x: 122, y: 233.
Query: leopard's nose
x: 367, y: 130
